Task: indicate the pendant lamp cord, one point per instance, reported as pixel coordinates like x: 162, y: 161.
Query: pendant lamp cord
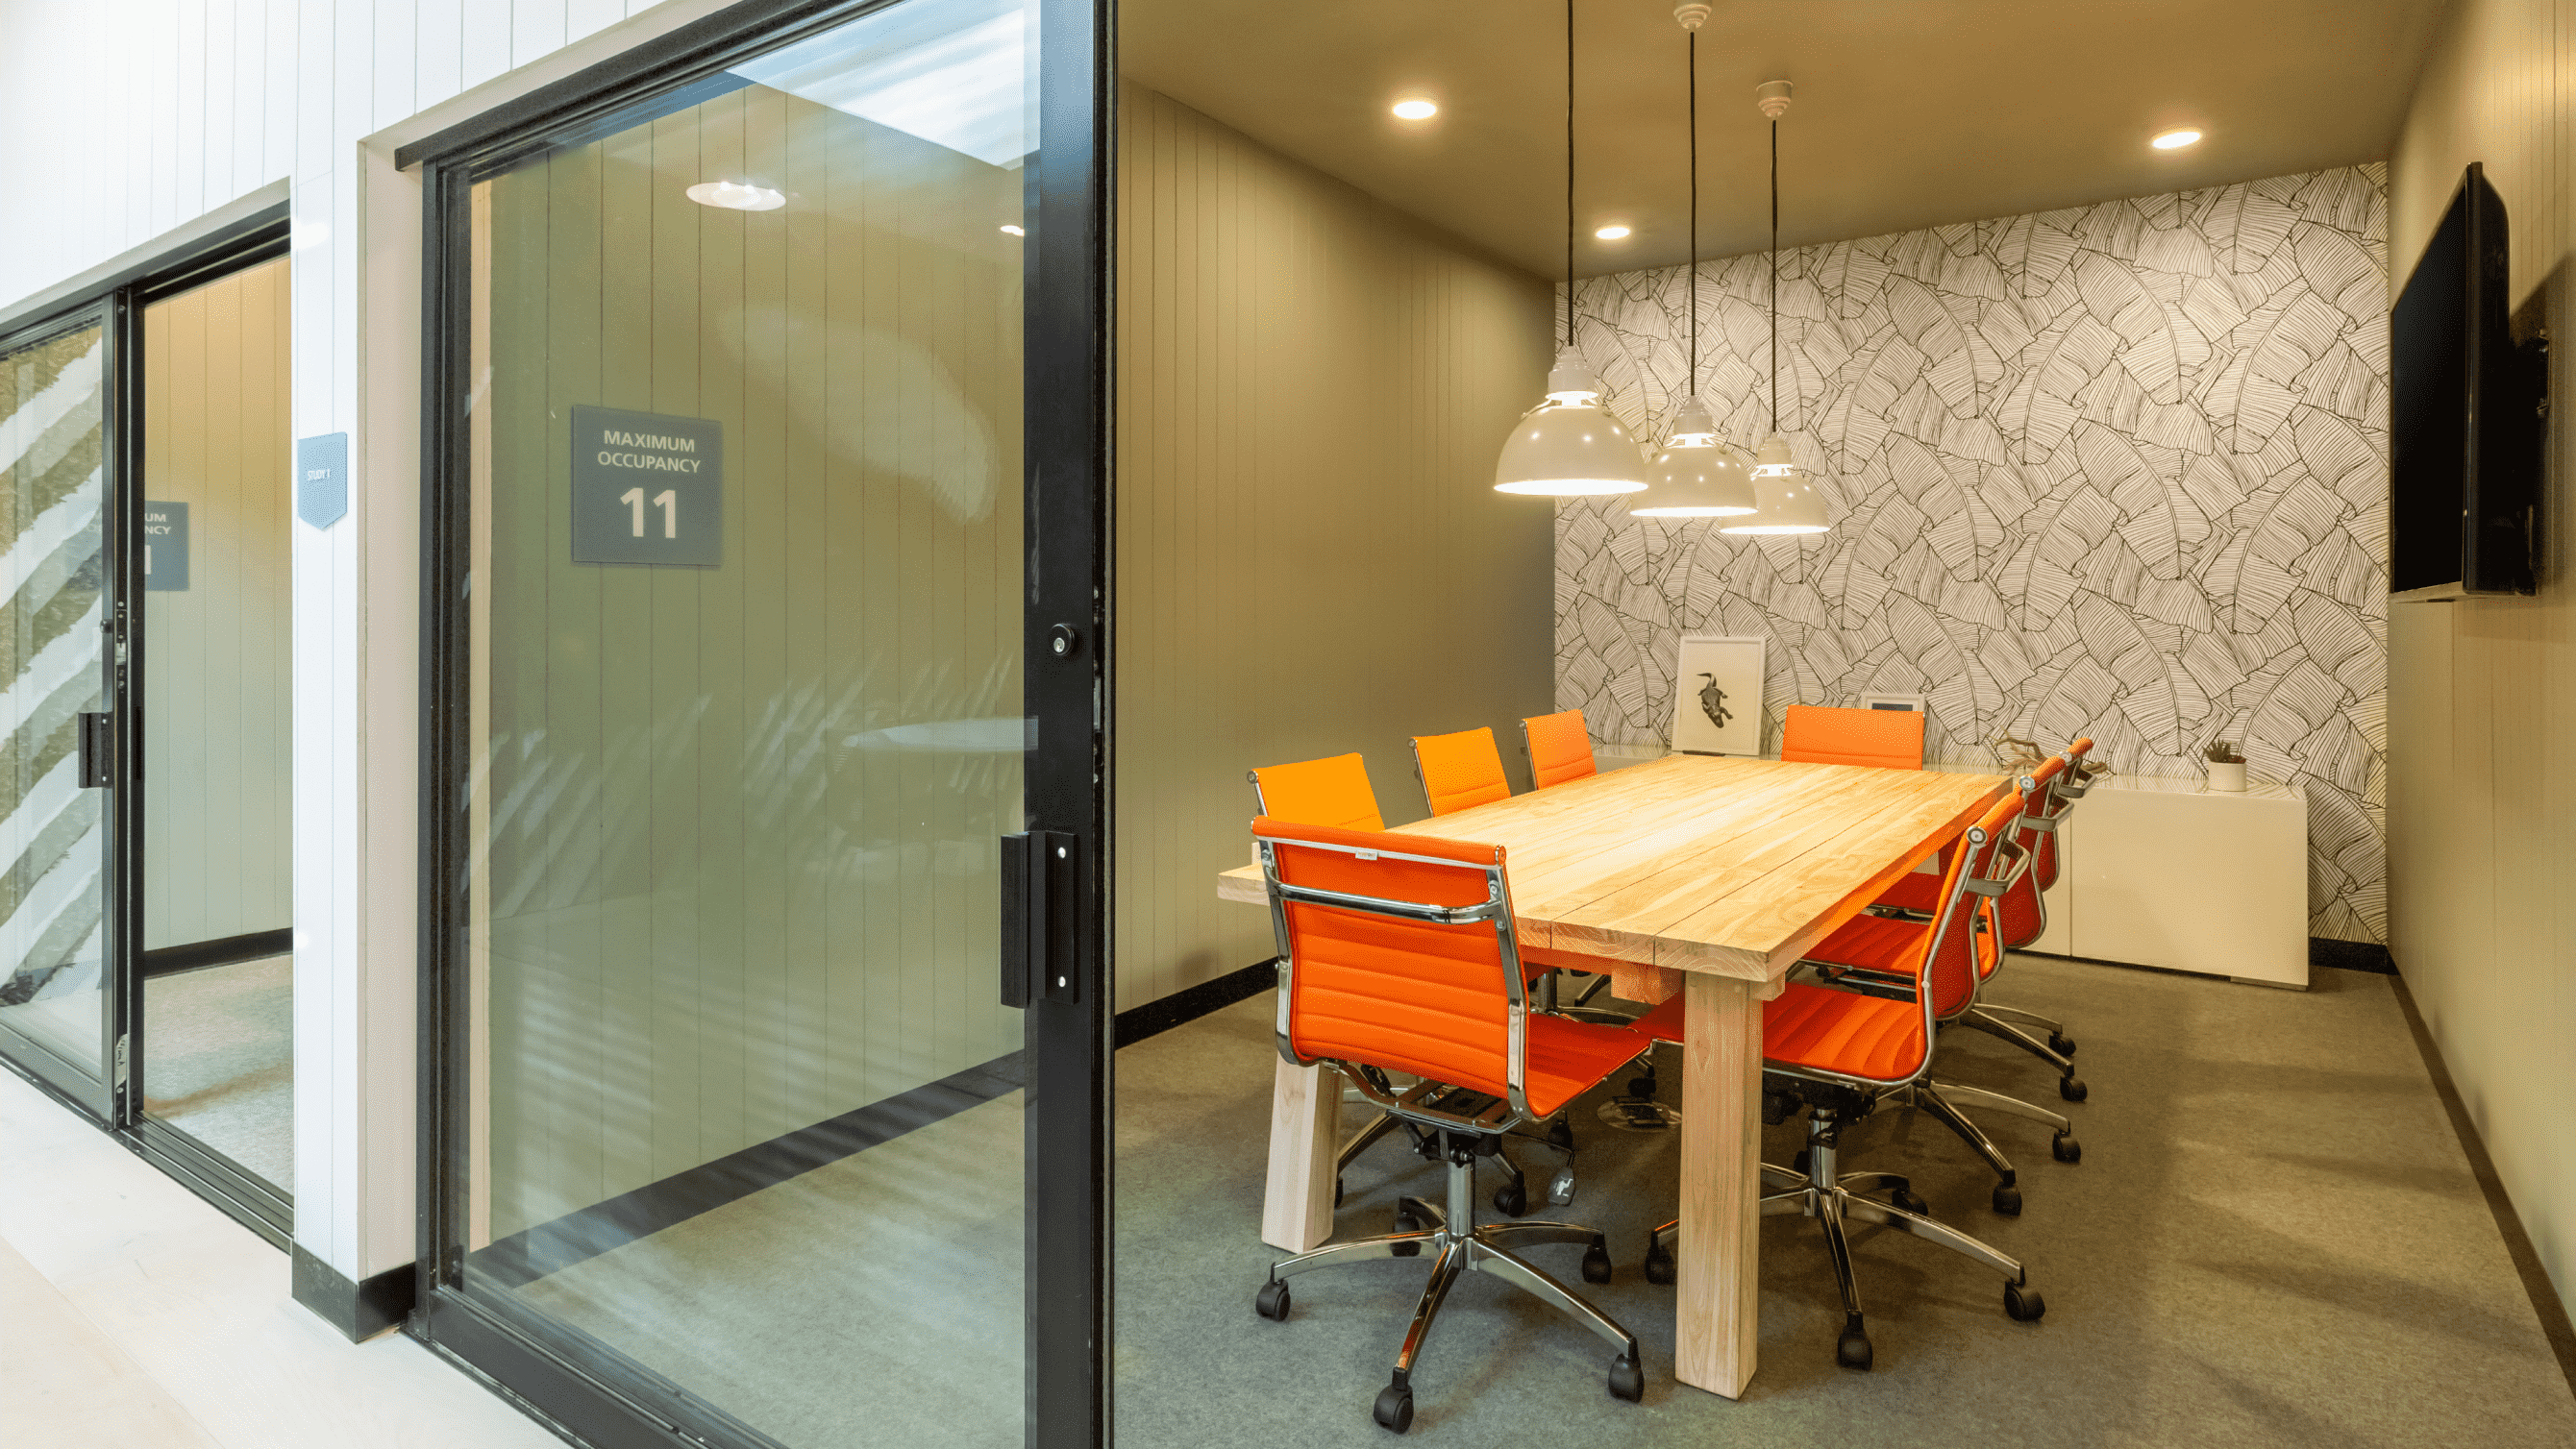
x: 1775, y: 276
x: 1569, y: 175
x: 1693, y: 287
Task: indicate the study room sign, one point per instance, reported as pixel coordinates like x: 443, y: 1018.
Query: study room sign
x: 647, y: 488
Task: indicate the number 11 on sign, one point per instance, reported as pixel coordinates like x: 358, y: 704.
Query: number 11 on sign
x: 668, y: 500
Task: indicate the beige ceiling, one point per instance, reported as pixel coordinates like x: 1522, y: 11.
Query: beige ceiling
x: 1909, y: 113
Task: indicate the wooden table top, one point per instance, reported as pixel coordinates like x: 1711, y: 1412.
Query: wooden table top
x: 1706, y: 863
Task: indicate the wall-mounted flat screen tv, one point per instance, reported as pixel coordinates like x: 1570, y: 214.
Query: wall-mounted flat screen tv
x: 2464, y: 415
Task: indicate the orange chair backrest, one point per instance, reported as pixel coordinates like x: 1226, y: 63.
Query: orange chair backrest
x: 2043, y: 866
x: 1319, y: 792
x: 1408, y: 996
x: 1889, y: 738
x: 1954, y: 958
x: 1460, y: 770
x: 1560, y: 748
x: 2020, y: 916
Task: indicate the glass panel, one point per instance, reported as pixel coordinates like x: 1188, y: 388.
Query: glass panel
x: 746, y: 726
x: 218, y: 900
x: 53, y: 488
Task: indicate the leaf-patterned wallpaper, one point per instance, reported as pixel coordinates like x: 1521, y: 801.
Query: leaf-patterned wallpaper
x: 2118, y: 470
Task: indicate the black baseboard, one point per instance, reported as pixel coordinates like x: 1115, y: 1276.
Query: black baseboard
x: 532, y: 1253
x: 2545, y: 1302
x: 225, y: 951
x: 1156, y: 1017
x: 2351, y: 956
x: 359, y: 1310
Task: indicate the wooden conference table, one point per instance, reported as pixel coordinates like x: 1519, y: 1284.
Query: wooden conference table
x: 1719, y: 873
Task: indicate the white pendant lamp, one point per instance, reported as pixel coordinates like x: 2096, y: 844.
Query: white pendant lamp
x: 1696, y: 476
x: 1785, y: 498
x: 1569, y: 445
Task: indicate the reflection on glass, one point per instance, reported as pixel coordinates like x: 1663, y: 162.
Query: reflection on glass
x: 218, y: 903
x: 747, y: 724
x: 52, y: 489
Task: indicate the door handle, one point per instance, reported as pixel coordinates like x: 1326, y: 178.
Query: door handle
x: 97, y: 749
x: 1037, y: 918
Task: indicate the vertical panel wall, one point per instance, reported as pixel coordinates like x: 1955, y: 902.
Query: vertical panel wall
x: 2482, y: 693
x: 1311, y: 556
x: 218, y: 794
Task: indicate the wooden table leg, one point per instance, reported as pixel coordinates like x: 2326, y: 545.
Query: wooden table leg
x: 1305, y: 1142
x: 1716, y: 1306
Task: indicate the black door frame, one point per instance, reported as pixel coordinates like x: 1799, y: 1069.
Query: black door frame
x: 580, y: 1387
x: 115, y: 304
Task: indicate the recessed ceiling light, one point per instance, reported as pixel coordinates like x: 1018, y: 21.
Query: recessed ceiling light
x: 736, y: 196
x: 1611, y: 233
x: 1013, y: 230
x: 2175, y: 140
x: 1416, y: 109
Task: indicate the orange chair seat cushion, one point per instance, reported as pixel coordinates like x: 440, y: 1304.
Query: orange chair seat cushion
x: 1873, y: 943
x: 1818, y: 1027
x: 1566, y: 1058
x: 1843, y: 1032
x: 1914, y: 891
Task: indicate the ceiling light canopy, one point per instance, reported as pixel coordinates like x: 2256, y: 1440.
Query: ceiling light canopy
x: 1416, y: 109
x: 736, y: 196
x: 1613, y: 232
x: 2175, y: 140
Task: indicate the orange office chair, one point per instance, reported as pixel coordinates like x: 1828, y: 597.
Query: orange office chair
x: 1459, y: 770
x: 1397, y: 954
x: 2069, y: 779
x: 1889, y: 738
x: 1559, y: 748
x: 2019, y: 917
x: 1838, y: 1053
x: 1334, y: 791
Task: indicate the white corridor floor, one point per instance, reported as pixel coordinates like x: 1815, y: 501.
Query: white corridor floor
x: 134, y: 1315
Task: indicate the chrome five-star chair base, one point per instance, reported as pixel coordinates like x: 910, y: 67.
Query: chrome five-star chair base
x: 1458, y: 1244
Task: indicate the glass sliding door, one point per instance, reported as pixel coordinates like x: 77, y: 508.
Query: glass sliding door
x: 55, y: 996
x: 211, y: 684
x: 745, y: 748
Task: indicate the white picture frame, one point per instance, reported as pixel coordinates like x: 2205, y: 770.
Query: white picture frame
x: 1717, y: 695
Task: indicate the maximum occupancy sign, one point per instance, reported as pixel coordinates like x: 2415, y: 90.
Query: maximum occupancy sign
x: 647, y: 488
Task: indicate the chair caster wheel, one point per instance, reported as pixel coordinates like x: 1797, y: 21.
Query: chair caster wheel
x: 2063, y: 1045
x: 1511, y: 1199
x: 1407, y: 1223
x: 1394, y: 1408
x: 1627, y: 1381
x: 2065, y: 1148
x: 1596, y: 1263
x: 2008, y: 1201
x: 1272, y: 1301
x: 1560, y: 1134
x: 2024, y: 1304
x: 1660, y: 1267
x: 1798, y: 1164
x: 1911, y: 1201
x: 1852, y: 1349
x: 1560, y: 1188
x: 2071, y: 1088
x: 1337, y: 1192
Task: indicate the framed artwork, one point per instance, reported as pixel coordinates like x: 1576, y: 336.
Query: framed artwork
x: 1717, y: 695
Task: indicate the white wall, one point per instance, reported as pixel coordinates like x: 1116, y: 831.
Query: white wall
x: 122, y: 123
x: 2482, y: 693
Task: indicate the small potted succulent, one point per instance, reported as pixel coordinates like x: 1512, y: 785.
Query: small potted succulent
x: 2226, y: 767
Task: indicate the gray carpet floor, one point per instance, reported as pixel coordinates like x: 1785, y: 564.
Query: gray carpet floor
x: 2273, y: 1238
x: 219, y: 1060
